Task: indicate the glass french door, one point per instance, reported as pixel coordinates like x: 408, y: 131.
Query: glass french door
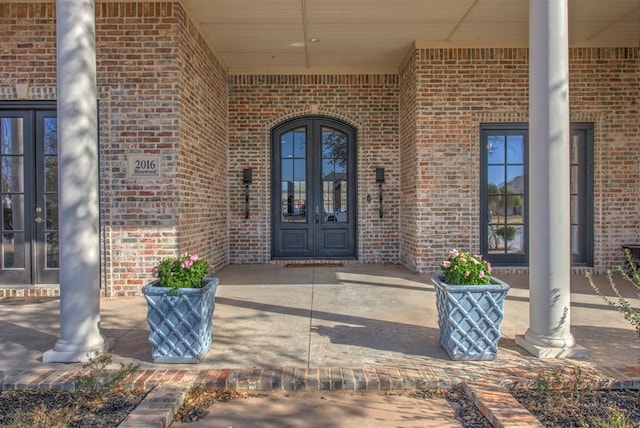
x: 29, y: 249
x: 504, y: 193
x: 314, y: 189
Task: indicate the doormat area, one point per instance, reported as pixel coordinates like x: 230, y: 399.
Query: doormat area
x: 302, y: 265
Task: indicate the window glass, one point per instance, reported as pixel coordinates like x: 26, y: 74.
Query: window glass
x: 504, y: 187
x: 504, y: 210
x: 334, y: 176
x: 293, y: 176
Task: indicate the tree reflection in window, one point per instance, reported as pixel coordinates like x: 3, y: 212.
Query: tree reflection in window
x: 505, y: 193
x: 334, y: 175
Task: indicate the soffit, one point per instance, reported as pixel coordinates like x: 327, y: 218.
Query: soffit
x: 376, y: 36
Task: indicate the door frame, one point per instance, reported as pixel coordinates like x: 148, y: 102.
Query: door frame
x: 314, y: 124
x: 34, y: 250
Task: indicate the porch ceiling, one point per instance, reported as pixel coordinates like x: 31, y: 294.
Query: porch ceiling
x: 375, y: 36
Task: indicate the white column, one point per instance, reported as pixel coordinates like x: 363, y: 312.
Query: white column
x: 549, y: 334
x: 80, y: 337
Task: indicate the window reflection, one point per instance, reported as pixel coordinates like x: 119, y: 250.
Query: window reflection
x: 12, y: 192
x: 334, y: 176
x: 51, y: 235
x: 505, y: 194
x: 293, y: 176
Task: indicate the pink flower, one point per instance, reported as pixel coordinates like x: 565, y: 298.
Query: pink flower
x: 194, y: 257
x: 454, y: 253
x: 475, y: 261
x: 446, y: 264
x: 481, y: 274
x: 467, y: 273
x: 187, y: 263
x: 489, y: 267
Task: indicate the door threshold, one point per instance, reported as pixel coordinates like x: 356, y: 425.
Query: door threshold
x: 298, y: 265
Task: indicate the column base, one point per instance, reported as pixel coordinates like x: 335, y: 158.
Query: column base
x: 53, y: 356
x: 574, y: 351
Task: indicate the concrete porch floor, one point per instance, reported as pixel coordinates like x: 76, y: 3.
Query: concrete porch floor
x: 353, y: 316
x: 358, y: 328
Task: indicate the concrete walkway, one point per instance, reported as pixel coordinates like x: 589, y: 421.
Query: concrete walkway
x: 357, y: 327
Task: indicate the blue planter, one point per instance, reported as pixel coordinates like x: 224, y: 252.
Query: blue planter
x: 469, y: 318
x: 180, y: 322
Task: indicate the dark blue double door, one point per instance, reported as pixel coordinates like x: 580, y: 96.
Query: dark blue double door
x: 314, y: 194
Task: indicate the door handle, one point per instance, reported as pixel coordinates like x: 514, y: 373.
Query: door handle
x: 38, y: 219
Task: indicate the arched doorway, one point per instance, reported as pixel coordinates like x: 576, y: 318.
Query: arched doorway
x: 314, y: 195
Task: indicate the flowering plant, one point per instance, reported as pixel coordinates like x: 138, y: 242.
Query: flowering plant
x: 186, y: 271
x: 465, y: 269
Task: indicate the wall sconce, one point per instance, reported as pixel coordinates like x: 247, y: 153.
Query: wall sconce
x: 247, y: 178
x: 380, y: 180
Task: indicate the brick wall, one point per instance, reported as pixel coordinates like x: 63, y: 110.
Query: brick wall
x: 202, y: 176
x: 165, y: 95
x: 138, y: 83
x: 368, y: 103
x: 604, y: 89
x: 408, y: 166
x: 458, y: 89
x: 162, y: 92
x: 27, y: 50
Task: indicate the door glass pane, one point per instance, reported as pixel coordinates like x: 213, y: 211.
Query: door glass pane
x: 515, y: 149
x: 12, y: 192
x: 13, y: 231
x: 13, y: 251
x: 12, y: 209
x: 495, y: 149
x: 504, y: 164
x: 47, y: 202
x: 50, y: 136
x: 576, y: 244
x: 293, y: 176
x: 12, y: 173
x: 287, y: 171
x: 52, y: 212
x: 286, y: 146
x: 505, y: 190
x: 515, y: 179
x: 51, y: 173
x: 575, y: 149
x: 11, y: 141
x: 53, y: 250
x: 50, y: 141
x: 495, y: 177
x: 334, y: 176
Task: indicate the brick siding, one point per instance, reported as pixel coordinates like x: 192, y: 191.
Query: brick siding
x: 165, y: 95
x: 259, y: 103
x: 455, y: 91
x: 202, y: 107
x: 138, y: 77
x: 458, y: 89
x: 163, y: 92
